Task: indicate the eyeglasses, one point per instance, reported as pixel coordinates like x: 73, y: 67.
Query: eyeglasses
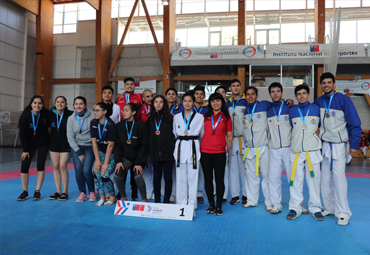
x: 98, y: 110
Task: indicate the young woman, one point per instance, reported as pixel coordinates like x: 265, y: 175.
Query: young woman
x: 78, y: 135
x: 187, y: 127
x: 131, y: 150
x: 103, y: 135
x: 59, y: 147
x: 34, y: 135
x: 161, y: 146
x: 217, y: 125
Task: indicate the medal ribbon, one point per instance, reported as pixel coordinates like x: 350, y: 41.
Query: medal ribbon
x: 83, y: 120
x: 127, y: 98
x: 304, y: 120
x: 33, y: 121
x: 213, y: 123
x: 173, y: 107
x: 59, y: 121
x: 187, y: 122
x: 129, y: 135
x: 236, y: 103
x: 281, y: 107
x: 157, y: 126
x: 251, y: 115
x: 101, y: 134
x: 198, y: 110
x: 328, y: 108
x: 146, y: 109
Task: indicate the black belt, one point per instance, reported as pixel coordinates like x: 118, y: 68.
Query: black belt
x: 187, y: 138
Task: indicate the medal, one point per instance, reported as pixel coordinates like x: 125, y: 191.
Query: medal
x: 304, y: 126
x: 58, y: 130
x: 251, y: 114
x: 304, y: 120
x: 100, y: 141
x: 101, y: 133
x: 34, y: 132
x: 327, y: 115
x: 277, y: 123
x: 213, y: 124
x: 157, y: 132
x: 250, y: 123
x: 129, y: 134
x: 83, y: 120
x: 33, y: 122
x: 234, y: 114
x: 234, y: 104
x: 80, y: 131
x: 185, y: 133
x: 213, y: 132
x: 157, y: 126
x: 186, y: 123
x: 128, y: 141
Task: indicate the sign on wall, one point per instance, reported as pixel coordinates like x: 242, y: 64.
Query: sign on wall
x: 5, y: 117
x: 154, y: 210
x: 215, y: 53
x: 356, y: 86
x: 140, y: 86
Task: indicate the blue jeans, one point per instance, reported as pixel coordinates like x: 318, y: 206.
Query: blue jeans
x: 84, y: 171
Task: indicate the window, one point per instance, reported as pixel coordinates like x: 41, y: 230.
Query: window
x: 363, y: 31
x: 86, y: 12
x: 65, y: 18
x: 192, y: 6
x: 346, y: 3
x: 181, y: 35
x: 347, y: 32
x: 262, y: 5
x: 299, y: 33
x: 293, y: 4
x: 365, y: 3
x: 229, y: 35
x: 151, y: 5
x: 310, y: 4
x: 197, y: 37
x: 217, y: 5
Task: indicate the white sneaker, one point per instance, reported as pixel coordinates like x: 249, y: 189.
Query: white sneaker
x: 304, y: 210
x: 342, y: 221
x: 172, y: 199
x: 327, y: 213
x: 275, y: 210
x: 269, y: 208
x: 149, y: 195
x: 249, y: 205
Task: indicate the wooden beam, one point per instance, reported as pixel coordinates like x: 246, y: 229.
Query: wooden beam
x: 30, y: 5
x: 241, y: 38
x: 169, y: 26
x: 103, y: 43
x: 143, y: 78
x: 319, y: 16
x: 318, y: 72
x: 350, y: 77
x: 73, y: 80
x: 153, y: 32
x: 44, y: 50
x: 120, y: 45
x: 367, y: 96
x: 205, y: 78
x: 94, y: 4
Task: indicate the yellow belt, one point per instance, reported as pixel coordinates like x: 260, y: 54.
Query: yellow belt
x: 257, y: 158
x: 295, y: 166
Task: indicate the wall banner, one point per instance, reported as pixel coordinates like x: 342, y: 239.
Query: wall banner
x: 356, y: 86
x: 140, y: 86
x: 5, y: 117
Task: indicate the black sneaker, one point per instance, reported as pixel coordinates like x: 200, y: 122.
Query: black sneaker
x: 200, y: 200
x: 244, y: 200
x: 134, y: 198
x: 234, y: 200
x: 55, y: 196
x: 37, y: 195
x: 23, y: 196
x: 211, y: 209
x: 224, y: 201
x: 318, y: 216
x: 219, y: 211
x: 292, y: 215
x: 118, y: 197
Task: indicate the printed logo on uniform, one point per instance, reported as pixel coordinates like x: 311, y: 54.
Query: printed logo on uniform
x: 286, y: 118
x: 258, y: 116
x: 52, y: 124
x: 332, y: 114
x: 313, y: 122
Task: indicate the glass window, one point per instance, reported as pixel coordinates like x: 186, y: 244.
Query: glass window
x: 159, y: 34
x: 192, y: 6
x: 365, y: 3
x: 70, y: 28
x: 250, y: 35
x: 59, y: 8
x: 329, y: 3
x: 70, y: 7
x: 114, y: 13
x: 151, y: 5
x: 58, y: 29
x: 229, y: 34
x: 87, y: 15
x: 266, y: 5
x: 197, y: 37
x: 346, y: 3
x: 58, y: 18
x: 297, y: 36
x: 215, y: 38
x: 310, y: 31
x: 363, y: 31
x: 274, y: 37
x: 181, y: 35
x: 268, y: 26
x: 261, y: 36
x: 293, y: 4
x: 70, y: 17
x: 234, y: 5
x: 263, y: 76
x: 310, y: 4
x: 217, y: 5
x: 296, y: 75
x: 347, y: 32
x: 138, y: 37
x: 126, y: 8
x: 249, y: 5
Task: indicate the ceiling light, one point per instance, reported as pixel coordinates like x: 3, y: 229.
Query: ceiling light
x: 165, y: 2
x: 193, y: 22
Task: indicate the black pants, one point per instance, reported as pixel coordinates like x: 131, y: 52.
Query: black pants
x: 42, y: 152
x: 138, y: 180
x: 214, y: 162
x: 132, y: 183
x: 166, y: 167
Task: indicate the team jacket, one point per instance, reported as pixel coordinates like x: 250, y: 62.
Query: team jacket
x: 59, y: 139
x: 343, y: 123
x: 238, y: 119
x: 175, y: 109
x: 145, y: 111
x: 305, y: 139
x: 256, y: 135
x: 28, y: 139
x: 279, y: 136
x: 202, y: 109
x: 134, y: 98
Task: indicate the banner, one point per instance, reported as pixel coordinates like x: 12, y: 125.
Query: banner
x: 356, y: 86
x: 140, y: 86
x: 5, y: 117
x: 313, y: 50
x: 220, y: 52
x: 154, y: 210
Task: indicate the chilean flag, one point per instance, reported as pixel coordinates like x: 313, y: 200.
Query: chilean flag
x: 314, y: 48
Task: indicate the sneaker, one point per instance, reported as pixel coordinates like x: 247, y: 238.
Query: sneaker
x: 342, y: 221
x: 269, y: 208
x: 36, y: 195
x: 63, y: 197
x: 92, y: 197
x: 172, y: 199
x: 118, y: 197
x: 249, y: 205
x: 55, y: 196
x: 145, y: 201
x: 318, y: 216
x: 219, y: 211
x: 123, y: 199
x: 211, y: 209
x: 134, y: 198
x: 200, y: 200
x: 292, y: 215
x: 244, y: 200
x: 23, y: 196
x: 234, y: 200
x: 149, y: 195
x: 304, y: 210
x: 326, y: 213
x: 275, y: 211
x: 224, y: 201
x: 81, y: 198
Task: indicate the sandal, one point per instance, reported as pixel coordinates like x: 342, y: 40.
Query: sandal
x: 110, y: 202
x: 63, y: 197
x: 100, y: 203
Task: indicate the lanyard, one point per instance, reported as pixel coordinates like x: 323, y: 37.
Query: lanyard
x: 146, y: 109
x: 59, y: 121
x: 251, y: 115
x: 101, y: 133
x: 157, y: 126
x: 236, y: 103
x: 33, y: 122
x: 213, y: 124
x: 281, y: 107
x: 327, y: 108
x: 198, y: 111
x: 173, y: 107
x: 304, y: 120
x: 127, y: 98
x: 129, y: 135
x: 83, y: 120
x: 188, y: 121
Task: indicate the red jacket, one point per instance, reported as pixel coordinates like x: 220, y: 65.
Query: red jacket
x: 145, y: 111
x: 134, y: 98
x: 364, y: 145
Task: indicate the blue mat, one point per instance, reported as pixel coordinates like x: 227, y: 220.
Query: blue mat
x: 67, y: 227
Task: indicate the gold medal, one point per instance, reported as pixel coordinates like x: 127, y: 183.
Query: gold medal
x: 80, y: 131
x: 186, y: 133
x: 234, y: 114
x: 304, y: 126
x: 128, y: 141
x: 327, y: 115
x: 250, y: 123
x: 157, y: 132
x: 34, y: 132
x: 277, y: 123
x: 100, y: 141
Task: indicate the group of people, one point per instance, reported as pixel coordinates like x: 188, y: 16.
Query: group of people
x: 197, y: 147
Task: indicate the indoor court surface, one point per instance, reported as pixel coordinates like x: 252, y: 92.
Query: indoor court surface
x: 67, y: 227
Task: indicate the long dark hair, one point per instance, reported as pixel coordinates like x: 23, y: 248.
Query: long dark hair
x: 167, y: 116
x: 106, y: 107
x: 29, y: 106
x: 134, y: 107
x: 216, y: 96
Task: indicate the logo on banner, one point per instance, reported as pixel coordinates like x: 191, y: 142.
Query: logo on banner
x: 185, y: 53
x: 123, y: 207
x: 216, y: 56
x: 314, y: 48
x: 6, y: 117
x: 259, y: 49
x: 249, y: 52
x: 365, y: 86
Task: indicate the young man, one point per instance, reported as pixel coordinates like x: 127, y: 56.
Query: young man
x: 146, y: 107
x: 107, y: 96
x: 340, y: 123
x: 221, y: 90
x: 236, y: 106
x: 171, y: 97
x: 256, y: 150
x: 129, y: 96
x: 305, y: 155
